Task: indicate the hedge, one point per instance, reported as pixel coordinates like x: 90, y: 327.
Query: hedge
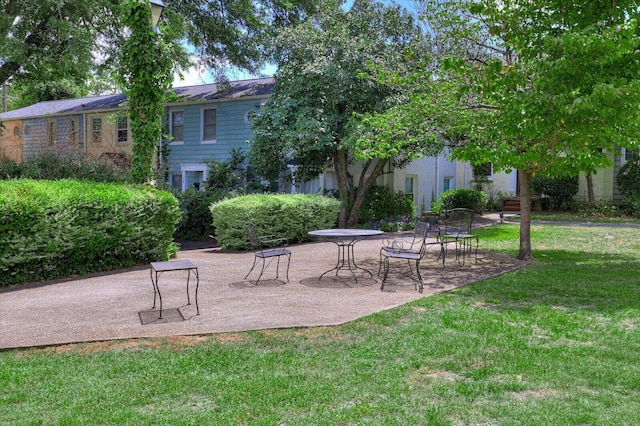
x: 461, y: 198
x: 284, y: 215
x: 53, y: 229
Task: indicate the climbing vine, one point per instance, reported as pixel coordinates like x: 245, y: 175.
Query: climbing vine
x: 146, y: 74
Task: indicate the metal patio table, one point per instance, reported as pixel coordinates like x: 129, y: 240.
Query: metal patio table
x: 345, y: 239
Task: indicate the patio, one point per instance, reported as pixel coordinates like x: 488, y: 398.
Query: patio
x: 116, y: 305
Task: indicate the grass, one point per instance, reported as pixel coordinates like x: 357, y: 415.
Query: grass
x: 575, y: 216
x: 555, y: 343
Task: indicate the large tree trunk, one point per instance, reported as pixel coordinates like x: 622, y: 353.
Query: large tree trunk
x: 341, y: 164
x: 525, y: 215
x: 364, y: 185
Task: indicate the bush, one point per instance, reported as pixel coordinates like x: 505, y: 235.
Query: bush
x: 560, y: 191
x: 631, y: 205
x: 461, y: 198
x: 196, y: 220
x: 381, y: 203
x: 284, y: 215
x: 628, y: 178
x: 53, y: 166
x: 55, y: 229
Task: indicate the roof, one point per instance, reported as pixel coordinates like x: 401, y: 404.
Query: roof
x: 203, y: 92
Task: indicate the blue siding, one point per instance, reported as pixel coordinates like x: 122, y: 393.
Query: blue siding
x: 232, y: 131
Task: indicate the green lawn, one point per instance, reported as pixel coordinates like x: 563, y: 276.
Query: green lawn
x: 555, y: 343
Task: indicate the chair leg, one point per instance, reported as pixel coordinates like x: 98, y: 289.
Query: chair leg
x: 264, y: 265
x: 419, y: 285
x: 288, y: 263
x: 255, y: 258
x: 386, y: 272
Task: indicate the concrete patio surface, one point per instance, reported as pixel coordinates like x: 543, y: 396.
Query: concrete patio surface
x: 117, y: 305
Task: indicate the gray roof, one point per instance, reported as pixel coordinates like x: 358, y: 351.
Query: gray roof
x: 200, y: 93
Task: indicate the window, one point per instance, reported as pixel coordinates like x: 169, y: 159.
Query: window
x: 74, y: 130
x: 409, y: 187
x: 96, y: 130
x: 446, y: 184
x: 482, y: 171
x: 51, y: 132
x: 209, y: 125
x: 177, y: 126
x: 176, y: 181
x: 190, y: 176
x: 16, y: 131
x: 630, y: 154
x: 123, y: 129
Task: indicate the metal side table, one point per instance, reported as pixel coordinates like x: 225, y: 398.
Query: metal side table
x: 157, y: 268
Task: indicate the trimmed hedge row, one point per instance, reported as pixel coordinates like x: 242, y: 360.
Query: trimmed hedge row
x: 52, y: 229
x: 284, y: 215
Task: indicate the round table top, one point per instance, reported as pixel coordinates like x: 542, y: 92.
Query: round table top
x: 341, y: 233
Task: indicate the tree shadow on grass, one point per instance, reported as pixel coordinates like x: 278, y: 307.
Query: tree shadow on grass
x: 573, y: 280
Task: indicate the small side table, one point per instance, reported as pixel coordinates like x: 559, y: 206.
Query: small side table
x: 158, y: 268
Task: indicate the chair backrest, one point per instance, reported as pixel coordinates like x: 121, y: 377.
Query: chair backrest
x: 419, y: 234
x: 458, y: 221
x: 252, y: 234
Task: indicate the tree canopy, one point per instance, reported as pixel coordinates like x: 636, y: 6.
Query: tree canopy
x: 52, y: 48
x: 327, y: 78
x: 544, y: 87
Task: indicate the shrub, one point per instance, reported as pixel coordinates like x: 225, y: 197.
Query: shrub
x: 53, y: 166
x: 559, y: 190
x: 381, y: 203
x: 196, y: 220
x: 285, y: 215
x: 461, y: 198
x: 52, y: 229
x: 631, y: 205
x: 628, y: 178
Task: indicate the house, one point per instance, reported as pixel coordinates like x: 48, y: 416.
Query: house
x: 203, y: 123
x: 92, y: 127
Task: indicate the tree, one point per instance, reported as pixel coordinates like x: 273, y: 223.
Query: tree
x: 52, y: 41
x: 544, y: 87
x: 146, y: 74
x: 326, y: 78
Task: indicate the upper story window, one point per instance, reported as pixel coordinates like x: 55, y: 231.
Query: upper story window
x: 52, y: 129
x: 123, y: 129
x: 482, y: 172
x: 177, y: 126
x: 96, y: 130
x: 74, y: 131
x: 209, y: 125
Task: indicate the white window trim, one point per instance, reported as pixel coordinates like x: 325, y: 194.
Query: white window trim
x: 118, y: 141
x: 184, y: 168
x: 207, y: 141
x: 175, y: 142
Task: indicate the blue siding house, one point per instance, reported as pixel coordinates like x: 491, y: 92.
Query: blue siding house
x: 206, y: 123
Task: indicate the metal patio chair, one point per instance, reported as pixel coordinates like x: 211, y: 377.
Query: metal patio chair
x: 267, y: 247
x: 456, y: 226
x: 412, y: 250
